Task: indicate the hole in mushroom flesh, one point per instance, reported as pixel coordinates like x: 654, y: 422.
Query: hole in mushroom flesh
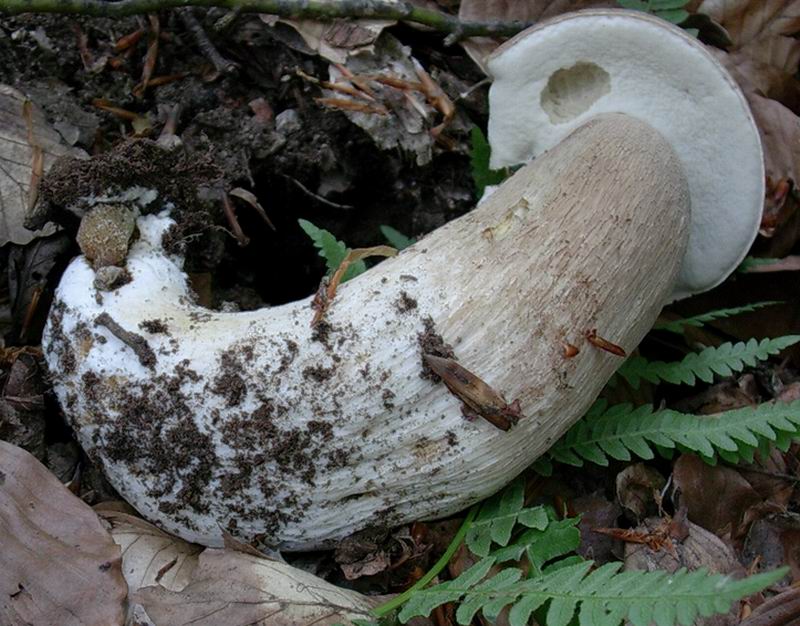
x: 572, y: 91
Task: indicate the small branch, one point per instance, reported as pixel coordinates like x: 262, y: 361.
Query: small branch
x: 323, y: 10
x: 135, y: 342
x: 220, y: 63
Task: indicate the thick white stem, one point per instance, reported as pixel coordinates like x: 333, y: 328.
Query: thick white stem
x: 257, y: 423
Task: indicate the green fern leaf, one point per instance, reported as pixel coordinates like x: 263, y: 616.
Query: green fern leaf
x: 677, y: 326
x: 751, y: 262
x: 723, y: 360
x: 498, y: 517
x: 332, y: 250
x: 600, y: 597
x: 482, y: 175
x: 561, y: 537
x: 623, y: 431
x: 396, y: 238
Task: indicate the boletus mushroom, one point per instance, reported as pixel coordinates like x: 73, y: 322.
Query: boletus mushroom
x: 439, y: 375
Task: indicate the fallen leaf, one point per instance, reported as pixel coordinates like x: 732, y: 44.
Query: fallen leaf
x: 22, y: 415
x: 698, y: 549
x: 597, y: 511
x: 22, y: 163
x: 638, y: 486
x: 337, y: 40
x: 733, y: 495
x: 479, y: 48
x: 763, y: 58
x: 390, y: 103
x: 773, y: 543
x: 754, y: 22
x: 149, y: 555
x: 58, y: 565
x: 230, y: 587
x: 780, y: 610
x: 31, y: 281
x: 780, y: 138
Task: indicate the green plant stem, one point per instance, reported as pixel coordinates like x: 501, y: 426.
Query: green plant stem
x: 398, y: 600
x: 323, y: 10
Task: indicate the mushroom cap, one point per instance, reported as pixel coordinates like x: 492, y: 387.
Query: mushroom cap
x: 551, y: 78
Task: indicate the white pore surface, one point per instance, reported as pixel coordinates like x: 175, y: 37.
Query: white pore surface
x: 651, y: 70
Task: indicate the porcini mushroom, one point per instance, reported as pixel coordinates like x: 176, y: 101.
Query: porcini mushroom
x: 551, y: 78
x: 259, y: 423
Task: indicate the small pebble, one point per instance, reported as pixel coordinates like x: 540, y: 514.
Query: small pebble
x: 105, y: 233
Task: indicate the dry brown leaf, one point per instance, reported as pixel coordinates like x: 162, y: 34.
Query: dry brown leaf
x: 58, y: 565
x: 780, y: 610
x: 392, y: 116
x: 772, y: 543
x: 638, y: 486
x: 778, y: 126
x: 749, y: 22
x: 149, y: 555
x: 22, y: 162
x: 597, y: 511
x: 733, y: 495
x: 234, y: 588
x: 336, y: 40
x: 479, y: 48
x: 698, y: 548
x: 763, y: 59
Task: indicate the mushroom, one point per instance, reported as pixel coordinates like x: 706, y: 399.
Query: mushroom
x: 434, y: 378
x: 551, y: 78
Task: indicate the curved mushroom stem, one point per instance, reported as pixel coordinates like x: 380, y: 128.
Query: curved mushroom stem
x: 258, y: 423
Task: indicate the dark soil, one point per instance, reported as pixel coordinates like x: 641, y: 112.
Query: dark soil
x: 228, y: 141
x: 321, y: 167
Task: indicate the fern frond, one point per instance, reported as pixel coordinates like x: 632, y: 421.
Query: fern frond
x: 751, y: 262
x: 479, y: 154
x: 498, y: 517
x: 670, y: 10
x: 621, y: 432
x: 558, y: 539
x: 396, y: 238
x: 677, y: 326
x: 723, y: 360
x: 332, y: 250
x: 603, y: 597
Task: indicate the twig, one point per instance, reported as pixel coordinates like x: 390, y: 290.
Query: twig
x: 220, y: 63
x: 322, y: 199
x: 323, y: 10
x: 230, y: 215
x: 135, y: 342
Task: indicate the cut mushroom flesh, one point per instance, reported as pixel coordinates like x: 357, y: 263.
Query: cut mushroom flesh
x: 551, y: 78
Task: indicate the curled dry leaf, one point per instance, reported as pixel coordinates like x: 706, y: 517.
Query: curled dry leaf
x: 28, y: 146
x: 638, y: 487
x: 58, y: 565
x: 230, y: 587
x: 149, y: 555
